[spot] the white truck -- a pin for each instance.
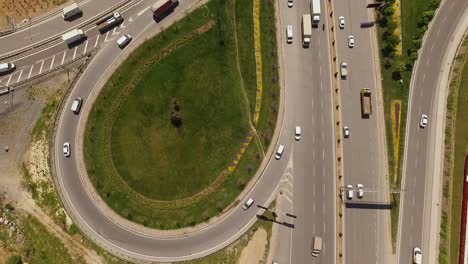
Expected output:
(315, 8)
(73, 36)
(306, 30)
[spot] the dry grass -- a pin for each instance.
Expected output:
(21, 9)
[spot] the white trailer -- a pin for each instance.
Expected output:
(73, 35)
(306, 30)
(315, 8)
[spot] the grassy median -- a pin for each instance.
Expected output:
(175, 130)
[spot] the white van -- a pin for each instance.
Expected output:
(71, 11)
(248, 204)
(76, 105)
(6, 67)
(316, 246)
(279, 152)
(289, 34)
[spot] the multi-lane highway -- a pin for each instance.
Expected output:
(423, 147)
(367, 223)
(55, 25)
(310, 174)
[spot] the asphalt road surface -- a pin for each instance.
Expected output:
(310, 174)
(415, 219)
(118, 237)
(53, 26)
(367, 225)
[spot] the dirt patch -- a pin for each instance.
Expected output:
(21, 9)
(255, 249)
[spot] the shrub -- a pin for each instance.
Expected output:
(393, 40)
(388, 62)
(15, 259)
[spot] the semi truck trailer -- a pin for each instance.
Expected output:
(315, 8)
(306, 30)
(366, 105)
(162, 6)
(109, 22)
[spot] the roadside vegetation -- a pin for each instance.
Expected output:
(176, 123)
(245, 249)
(456, 147)
(396, 76)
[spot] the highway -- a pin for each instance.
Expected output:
(423, 147)
(52, 26)
(310, 174)
(123, 238)
(367, 224)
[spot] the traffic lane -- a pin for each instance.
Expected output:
(53, 26)
(424, 89)
(113, 232)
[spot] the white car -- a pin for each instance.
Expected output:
(417, 255)
(423, 121)
(289, 34)
(349, 192)
(279, 152)
(290, 3)
(346, 132)
(66, 149)
(247, 204)
(341, 20)
(351, 41)
(297, 133)
(360, 190)
(124, 40)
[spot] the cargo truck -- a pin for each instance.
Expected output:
(366, 105)
(73, 36)
(162, 6)
(315, 8)
(109, 22)
(71, 11)
(306, 30)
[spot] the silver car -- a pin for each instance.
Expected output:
(424, 120)
(66, 149)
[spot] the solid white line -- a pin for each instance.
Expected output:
(74, 52)
(52, 63)
(107, 34)
(86, 46)
(287, 198)
(63, 57)
(42, 64)
(9, 78)
(142, 11)
(30, 71)
(97, 39)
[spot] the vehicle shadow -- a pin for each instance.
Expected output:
(368, 205)
(265, 218)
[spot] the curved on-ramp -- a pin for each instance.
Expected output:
(96, 220)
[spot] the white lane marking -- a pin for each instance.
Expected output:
(19, 77)
(86, 46)
(287, 198)
(9, 79)
(142, 11)
(412, 222)
(42, 64)
(421, 91)
(63, 57)
(416, 163)
(313, 209)
(432, 46)
(427, 62)
(313, 189)
(424, 75)
(323, 157)
(417, 145)
(74, 53)
(30, 71)
(320, 69)
(114, 31)
(324, 222)
(52, 63)
(321, 87)
(97, 39)
(107, 34)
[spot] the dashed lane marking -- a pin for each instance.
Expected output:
(97, 39)
(63, 57)
(52, 63)
(30, 71)
(19, 76)
(86, 46)
(40, 69)
(9, 79)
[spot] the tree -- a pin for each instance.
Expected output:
(176, 119)
(417, 43)
(393, 40)
(400, 66)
